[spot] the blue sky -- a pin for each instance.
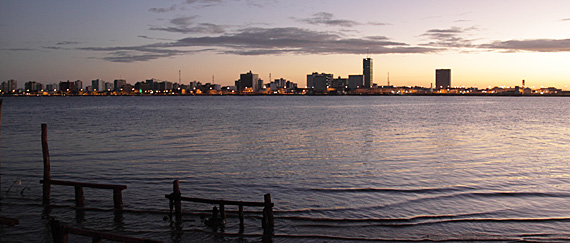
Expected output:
(483, 42)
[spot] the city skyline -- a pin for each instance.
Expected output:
(485, 43)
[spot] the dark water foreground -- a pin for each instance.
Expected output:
(338, 168)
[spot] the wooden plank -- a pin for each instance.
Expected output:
(85, 184)
(226, 202)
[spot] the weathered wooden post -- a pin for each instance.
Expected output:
(58, 232)
(47, 171)
(240, 214)
(177, 202)
(117, 199)
(267, 220)
(79, 197)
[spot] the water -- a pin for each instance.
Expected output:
(339, 168)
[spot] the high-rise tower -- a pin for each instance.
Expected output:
(442, 78)
(367, 72)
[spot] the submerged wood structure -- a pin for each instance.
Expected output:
(267, 221)
(60, 234)
(9, 221)
(79, 195)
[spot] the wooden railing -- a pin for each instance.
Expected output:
(79, 195)
(267, 221)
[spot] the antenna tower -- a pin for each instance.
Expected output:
(388, 78)
(179, 76)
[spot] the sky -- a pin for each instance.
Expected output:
(484, 43)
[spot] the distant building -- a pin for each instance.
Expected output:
(319, 82)
(67, 86)
(31, 86)
(118, 84)
(108, 86)
(367, 72)
(355, 81)
(78, 85)
(339, 83)
(442, 78)
(98, 85)
(51, 87)
(248, 80)
(9, 86)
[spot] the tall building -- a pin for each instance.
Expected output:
(9, 86)
(31, 86)
(248, 80)
(67, 86)
(442, 78)
(367, 72)
(119, 83)
(97, 85)
(79, 85)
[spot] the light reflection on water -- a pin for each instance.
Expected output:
(440, 167)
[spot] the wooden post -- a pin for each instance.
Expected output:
(58, 232)
(79, 197)
(267, 220)
(177, 202)
(118, 199)
(47, 170)
(240, 214)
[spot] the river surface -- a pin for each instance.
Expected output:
(339, 168)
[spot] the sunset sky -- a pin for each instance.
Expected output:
(497, 43)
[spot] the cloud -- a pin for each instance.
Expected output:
(163, 10)
(532, 45)
(568, 19)
(183, 21)
(134, 53)
(262, 41)
(451, 37)
(204, 3)
(68, 43)
(181, 25)
(324, 18)
(378, 23)
(200, 28)
(152, 38)
(17, 49)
